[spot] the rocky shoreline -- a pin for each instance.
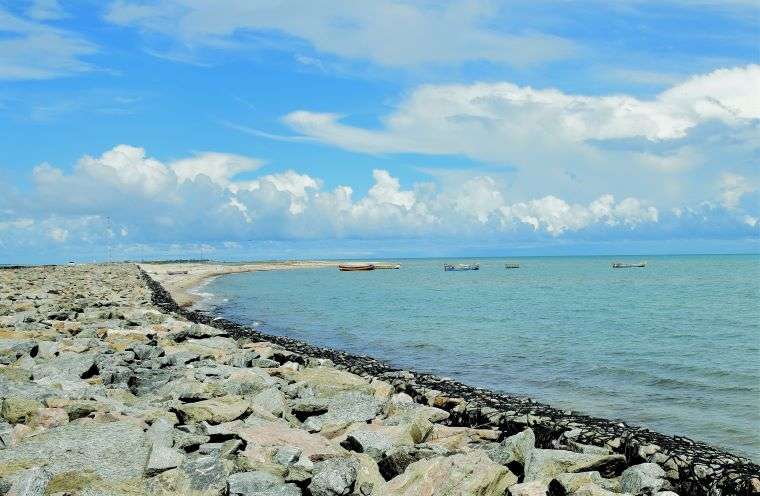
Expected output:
(108, 386)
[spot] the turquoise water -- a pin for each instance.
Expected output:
(674, 346)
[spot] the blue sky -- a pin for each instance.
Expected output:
(240, 129)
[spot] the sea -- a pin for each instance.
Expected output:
(674, 346)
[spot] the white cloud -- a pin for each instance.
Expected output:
(388, 32)
(35, 50)
(545, 132)
(219, 167)
(58, 235)
(426, 119)
(146, 201)
(45, 10)
(733, 187)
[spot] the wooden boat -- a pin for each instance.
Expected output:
(623, 265)
(511, 265)
(386, 266)
(355, 267)
(450, 267)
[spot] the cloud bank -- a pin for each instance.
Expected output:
(127, 196)
(544, 133)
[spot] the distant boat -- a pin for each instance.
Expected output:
(511, 265)
(355, 267)
(450, 267)
(623, 265)
(386, 266)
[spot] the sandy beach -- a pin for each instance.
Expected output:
(180, 278)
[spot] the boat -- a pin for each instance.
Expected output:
(176, 272)
(623, 265)
(386, 266)
(450, 267)
(511, 265)
(355, 267)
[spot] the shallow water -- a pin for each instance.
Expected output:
(674, 346)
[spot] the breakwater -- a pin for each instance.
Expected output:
(109, 387)
(692, 467)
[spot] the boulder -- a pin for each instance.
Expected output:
(593, 490)
(260, 484)
(328, 381)
(375, 440)
(17, 409)
(32, 482)
(344, 409)
(532, 488)
(161, 433)
(569, 483)
(163, 458)
(114, 451)
(277, 434)
(333, 477)
(270, 400)
(199, 476)
(647, 477)
(457, 475)
(397, 459)
(67, 364)
(517, 448)
(214, 411)
(546, 464)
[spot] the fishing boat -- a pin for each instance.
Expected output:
(386, 266)
(623, 265)
(450, 267)
(511, 265)
(355, 267)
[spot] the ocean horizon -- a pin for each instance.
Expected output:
(672, 347)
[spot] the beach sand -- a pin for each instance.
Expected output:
(181, 278)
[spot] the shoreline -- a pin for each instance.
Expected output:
(698, 468)
(181, 286)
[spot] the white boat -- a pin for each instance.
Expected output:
(452, 267)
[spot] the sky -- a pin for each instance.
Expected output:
(240, 129)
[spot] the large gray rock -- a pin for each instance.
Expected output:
(145, 381)
(517, 448)
(163, 458)
(546, 464)
(199, 476)
(32, 482)
(397, 459)
(458, 475)
(67, 364)
(344, 409)
(643, 477)
(260, 484)
(161, 433)
(114, 451)
(270, 400)
(333, 477)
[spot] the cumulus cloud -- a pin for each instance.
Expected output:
(35, 50)
(125, 195)
(388, 32)
(545, 131)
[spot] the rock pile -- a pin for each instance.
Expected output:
(104, 393)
